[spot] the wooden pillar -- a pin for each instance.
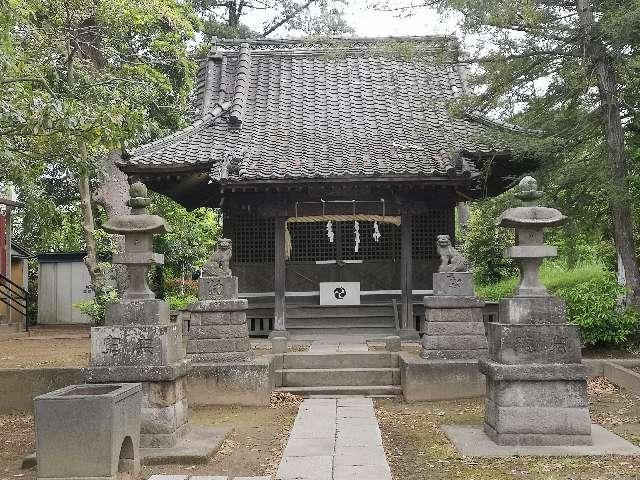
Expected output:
(407, 328)
(279, 277)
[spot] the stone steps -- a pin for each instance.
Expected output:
(369, 390)
(319, 311)
(331, 330)
(323, 377)
(366, 319)
(338, 322)
(301, 360)
(339, 373)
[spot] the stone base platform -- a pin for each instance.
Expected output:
(433, 380)
(474, 442)
(196, 447)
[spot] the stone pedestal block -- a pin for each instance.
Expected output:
(453, 327)
(165, 413)
(453, 283)
(134, 345)
(533, 310)
(279, 345)
(141, 344)
(392, 344)
(522, 343)
(536, 385)
(88, 431)
(218, 331)
(217, 288)
(142, 312)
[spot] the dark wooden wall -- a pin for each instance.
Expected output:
(252, 216)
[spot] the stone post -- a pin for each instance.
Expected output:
(536, 383)
(453, 315)
(139, 343)
(218, 330)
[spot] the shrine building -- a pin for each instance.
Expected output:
(335, 164)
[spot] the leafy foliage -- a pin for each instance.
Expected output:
(592, 295)
(96, 307)
(484, 242)
(191, 239)
(225, 19)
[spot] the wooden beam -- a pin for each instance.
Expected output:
(279, 277)
(407, 328)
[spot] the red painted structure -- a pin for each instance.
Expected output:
(3, 245)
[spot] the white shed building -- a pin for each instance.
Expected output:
(63, 281)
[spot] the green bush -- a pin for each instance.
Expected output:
(484, 242)
(179, 302)
(592, 295)
(96, 307)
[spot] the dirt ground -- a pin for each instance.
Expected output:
(415, 446)
(611, 352)
(253, 448)
(70, 347)
(417, 449)
(67, 347)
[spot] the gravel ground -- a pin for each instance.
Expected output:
(417, 449)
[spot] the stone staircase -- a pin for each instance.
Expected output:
(361, 373)
(368, 320)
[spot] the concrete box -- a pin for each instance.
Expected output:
(88, 431)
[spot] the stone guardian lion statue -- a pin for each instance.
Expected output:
(218, 263)
(450, 259)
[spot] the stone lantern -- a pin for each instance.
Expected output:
(529, 221)
(536, 382)
(138, 229)
(139, 342)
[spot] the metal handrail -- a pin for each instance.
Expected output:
(14, 295)
(11, 282)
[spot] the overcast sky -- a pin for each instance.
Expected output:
(370, 23)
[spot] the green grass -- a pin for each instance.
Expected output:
(553, 276)
(592, 296)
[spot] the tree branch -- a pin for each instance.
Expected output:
(286, 18)
(39, 80)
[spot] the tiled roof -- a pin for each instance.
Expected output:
(359, 108)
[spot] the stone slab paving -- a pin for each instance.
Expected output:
(204, 477)
(335, 439)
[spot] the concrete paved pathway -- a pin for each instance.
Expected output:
(335, 439)
(337, 344)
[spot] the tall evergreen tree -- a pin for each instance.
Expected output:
(567, 68)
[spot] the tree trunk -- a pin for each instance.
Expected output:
(619, 198)
(234, 12)
(88, 228)
(112, 195)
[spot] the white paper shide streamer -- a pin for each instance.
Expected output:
(356, 230)
(376, 232)
(330, 234)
